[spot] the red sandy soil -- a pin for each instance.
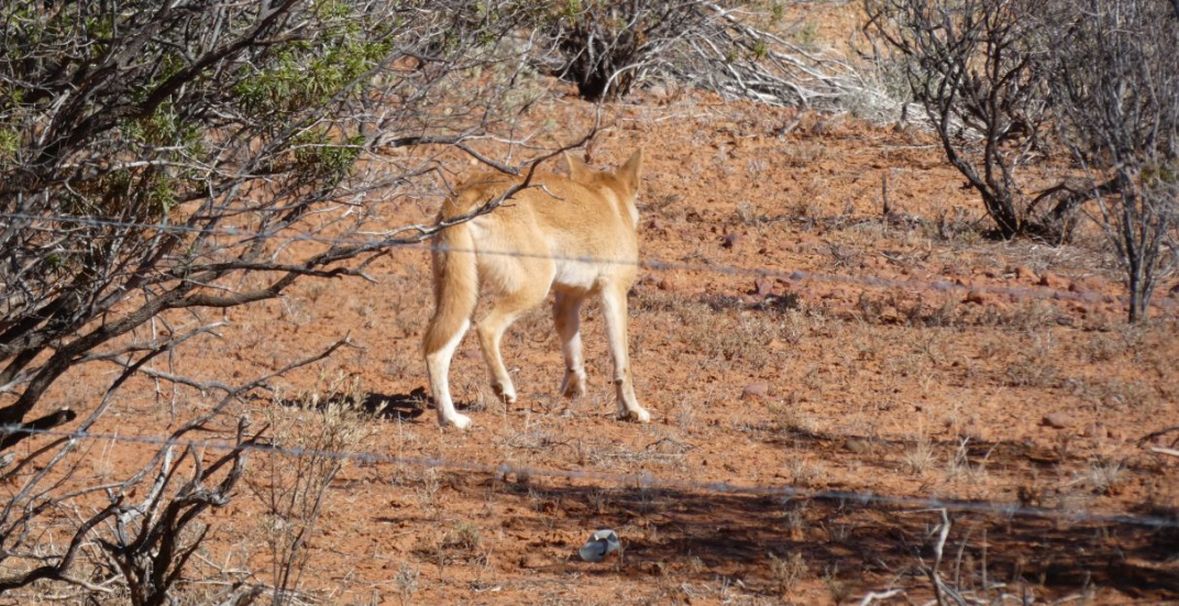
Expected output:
(1018, 385)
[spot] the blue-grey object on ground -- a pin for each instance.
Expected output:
(600, 544)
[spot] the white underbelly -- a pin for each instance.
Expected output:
(577, 275)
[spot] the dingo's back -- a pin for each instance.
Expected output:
(575, 236)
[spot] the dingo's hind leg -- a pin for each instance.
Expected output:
(567, 317)
(504, 311)
(456, 292)
(614, 309)
(438, 365)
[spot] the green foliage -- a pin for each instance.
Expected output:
(165, 127)
(9, 144)
(760, 50)
(317, 154)
(142, 194)
(1163, 173)
(303, 75)
(570, 9)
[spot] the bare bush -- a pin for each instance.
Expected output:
(1115, 76)
(312, 434)
(609, 46)
(605, 45)
(152, 541)
(160, 162)
(1004, 81)
(975, 67)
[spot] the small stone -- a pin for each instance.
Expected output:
(857, 446)
(972, 432)
(976, 297)
(730, 240)
(763, 286)
(1052, 280)
(755, 391)
(1025, 274)
(1056, 420)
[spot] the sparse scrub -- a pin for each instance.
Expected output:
(465, 536)
(958, 467)
(806, 472)
(1103, 476)
(1033, 366)
(792, 442)
(802, 154)
(606, 46)
(1102, 347)
(1115, 394)
(787, 572)
(321, 427)
(921, 457)
(789, 418)
(839, 589)
(461, 543)
(408, 581)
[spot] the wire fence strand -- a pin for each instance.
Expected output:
(379, 241)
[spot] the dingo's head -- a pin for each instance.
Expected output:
(621, 182)
(624, 180)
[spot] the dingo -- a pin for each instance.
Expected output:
(576, 236)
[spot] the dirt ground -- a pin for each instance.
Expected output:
(840, 370)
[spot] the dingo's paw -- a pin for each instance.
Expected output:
(640, 415)
(573, 386)
(460, 421)
(506, 393)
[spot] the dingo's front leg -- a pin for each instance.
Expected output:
(614, 307)
(504, 311)
(491, 331)
(567, 317)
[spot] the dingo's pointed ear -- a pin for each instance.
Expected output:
(629, 172)
(578, 171)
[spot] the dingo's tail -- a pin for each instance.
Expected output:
(456, 286)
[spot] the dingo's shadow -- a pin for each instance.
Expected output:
(400, 407)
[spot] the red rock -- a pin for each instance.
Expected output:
(755, 391)
(1052, 280)
(1025, 274)
(1057, 420)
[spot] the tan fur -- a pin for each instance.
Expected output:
(575, 236)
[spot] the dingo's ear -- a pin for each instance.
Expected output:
(629, 172)
(578, 171)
